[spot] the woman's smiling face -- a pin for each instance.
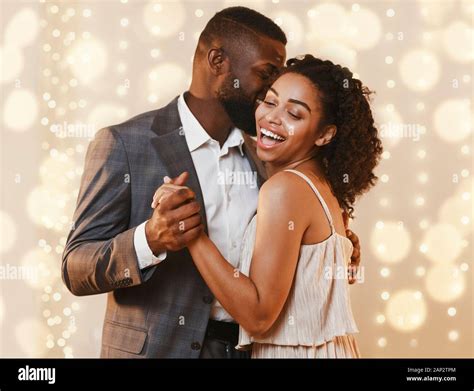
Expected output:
(288, 121)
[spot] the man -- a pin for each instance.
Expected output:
(158, 305)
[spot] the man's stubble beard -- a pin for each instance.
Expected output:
(238, 106)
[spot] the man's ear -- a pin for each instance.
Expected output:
(217, 61)
(327, 135)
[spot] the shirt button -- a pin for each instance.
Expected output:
(207, 299)
(195, 346)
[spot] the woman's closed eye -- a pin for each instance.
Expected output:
(269, 103)
(293, 115)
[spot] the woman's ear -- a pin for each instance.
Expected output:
(327, 135)
(217, 61)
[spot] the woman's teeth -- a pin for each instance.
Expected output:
(272, 135)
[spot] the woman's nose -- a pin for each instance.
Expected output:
(273, 117)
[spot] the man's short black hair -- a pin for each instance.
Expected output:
(237, 27)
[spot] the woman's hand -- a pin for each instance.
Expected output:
(170, 186)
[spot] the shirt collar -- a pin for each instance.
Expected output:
(193, 130)
(196, 135)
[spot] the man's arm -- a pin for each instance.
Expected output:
(99, 255)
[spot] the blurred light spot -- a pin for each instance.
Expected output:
(443, 243)
(435, 12)
(292, 26)
(87, 59)
(453, 120)
(15, 32)
(364, 29)
(20, 110)
(457, 39)
(8, 232)
(105, 114)
(46, 206)
(395, 241)
(337, 53)
(445, 283)
(406, 311)
(423, 177)
(328, 22)
(11, 63)
(44, 268)
(165, 79)
(419, 70)
(382, 342)
(420, 271)
(164, 19)
(451, 311)
(30, 335)
(419, 201)
(458, 212)
(385, 272)
(453, 335)
(2, 309)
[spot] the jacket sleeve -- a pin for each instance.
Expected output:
(99, 255)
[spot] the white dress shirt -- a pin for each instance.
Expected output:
(229, 189)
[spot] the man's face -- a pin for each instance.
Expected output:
(250, 76)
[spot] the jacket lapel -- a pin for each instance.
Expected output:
(173, 150)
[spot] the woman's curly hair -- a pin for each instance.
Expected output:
(349, 159)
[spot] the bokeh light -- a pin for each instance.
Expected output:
(41, 268)
(453, 120)
(165, 79)
(15, 32)
(11, 63)
(419, 70)
(390, 242)
(70, 69)
(20, 110)
(443, 243)
(458, 39)
(8, 232)
(406, 310)
(105, 114)
(31, 336)
(156, 17)
(445, 282)
(87, 60)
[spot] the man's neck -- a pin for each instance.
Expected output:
(210, 114)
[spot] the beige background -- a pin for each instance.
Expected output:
(69, 68)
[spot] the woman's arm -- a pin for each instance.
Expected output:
(256, 301)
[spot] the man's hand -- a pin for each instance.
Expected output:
(355, 257)
(176, 220)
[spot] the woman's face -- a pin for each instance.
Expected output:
(287, 121)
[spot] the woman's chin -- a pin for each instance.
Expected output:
(264, 155)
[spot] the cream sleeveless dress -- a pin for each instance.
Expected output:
(316, 320)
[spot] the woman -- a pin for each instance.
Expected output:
(317, 138)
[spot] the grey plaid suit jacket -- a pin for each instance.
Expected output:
(162, 311)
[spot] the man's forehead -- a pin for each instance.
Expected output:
(270, 52)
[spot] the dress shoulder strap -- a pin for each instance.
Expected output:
(318, 194)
